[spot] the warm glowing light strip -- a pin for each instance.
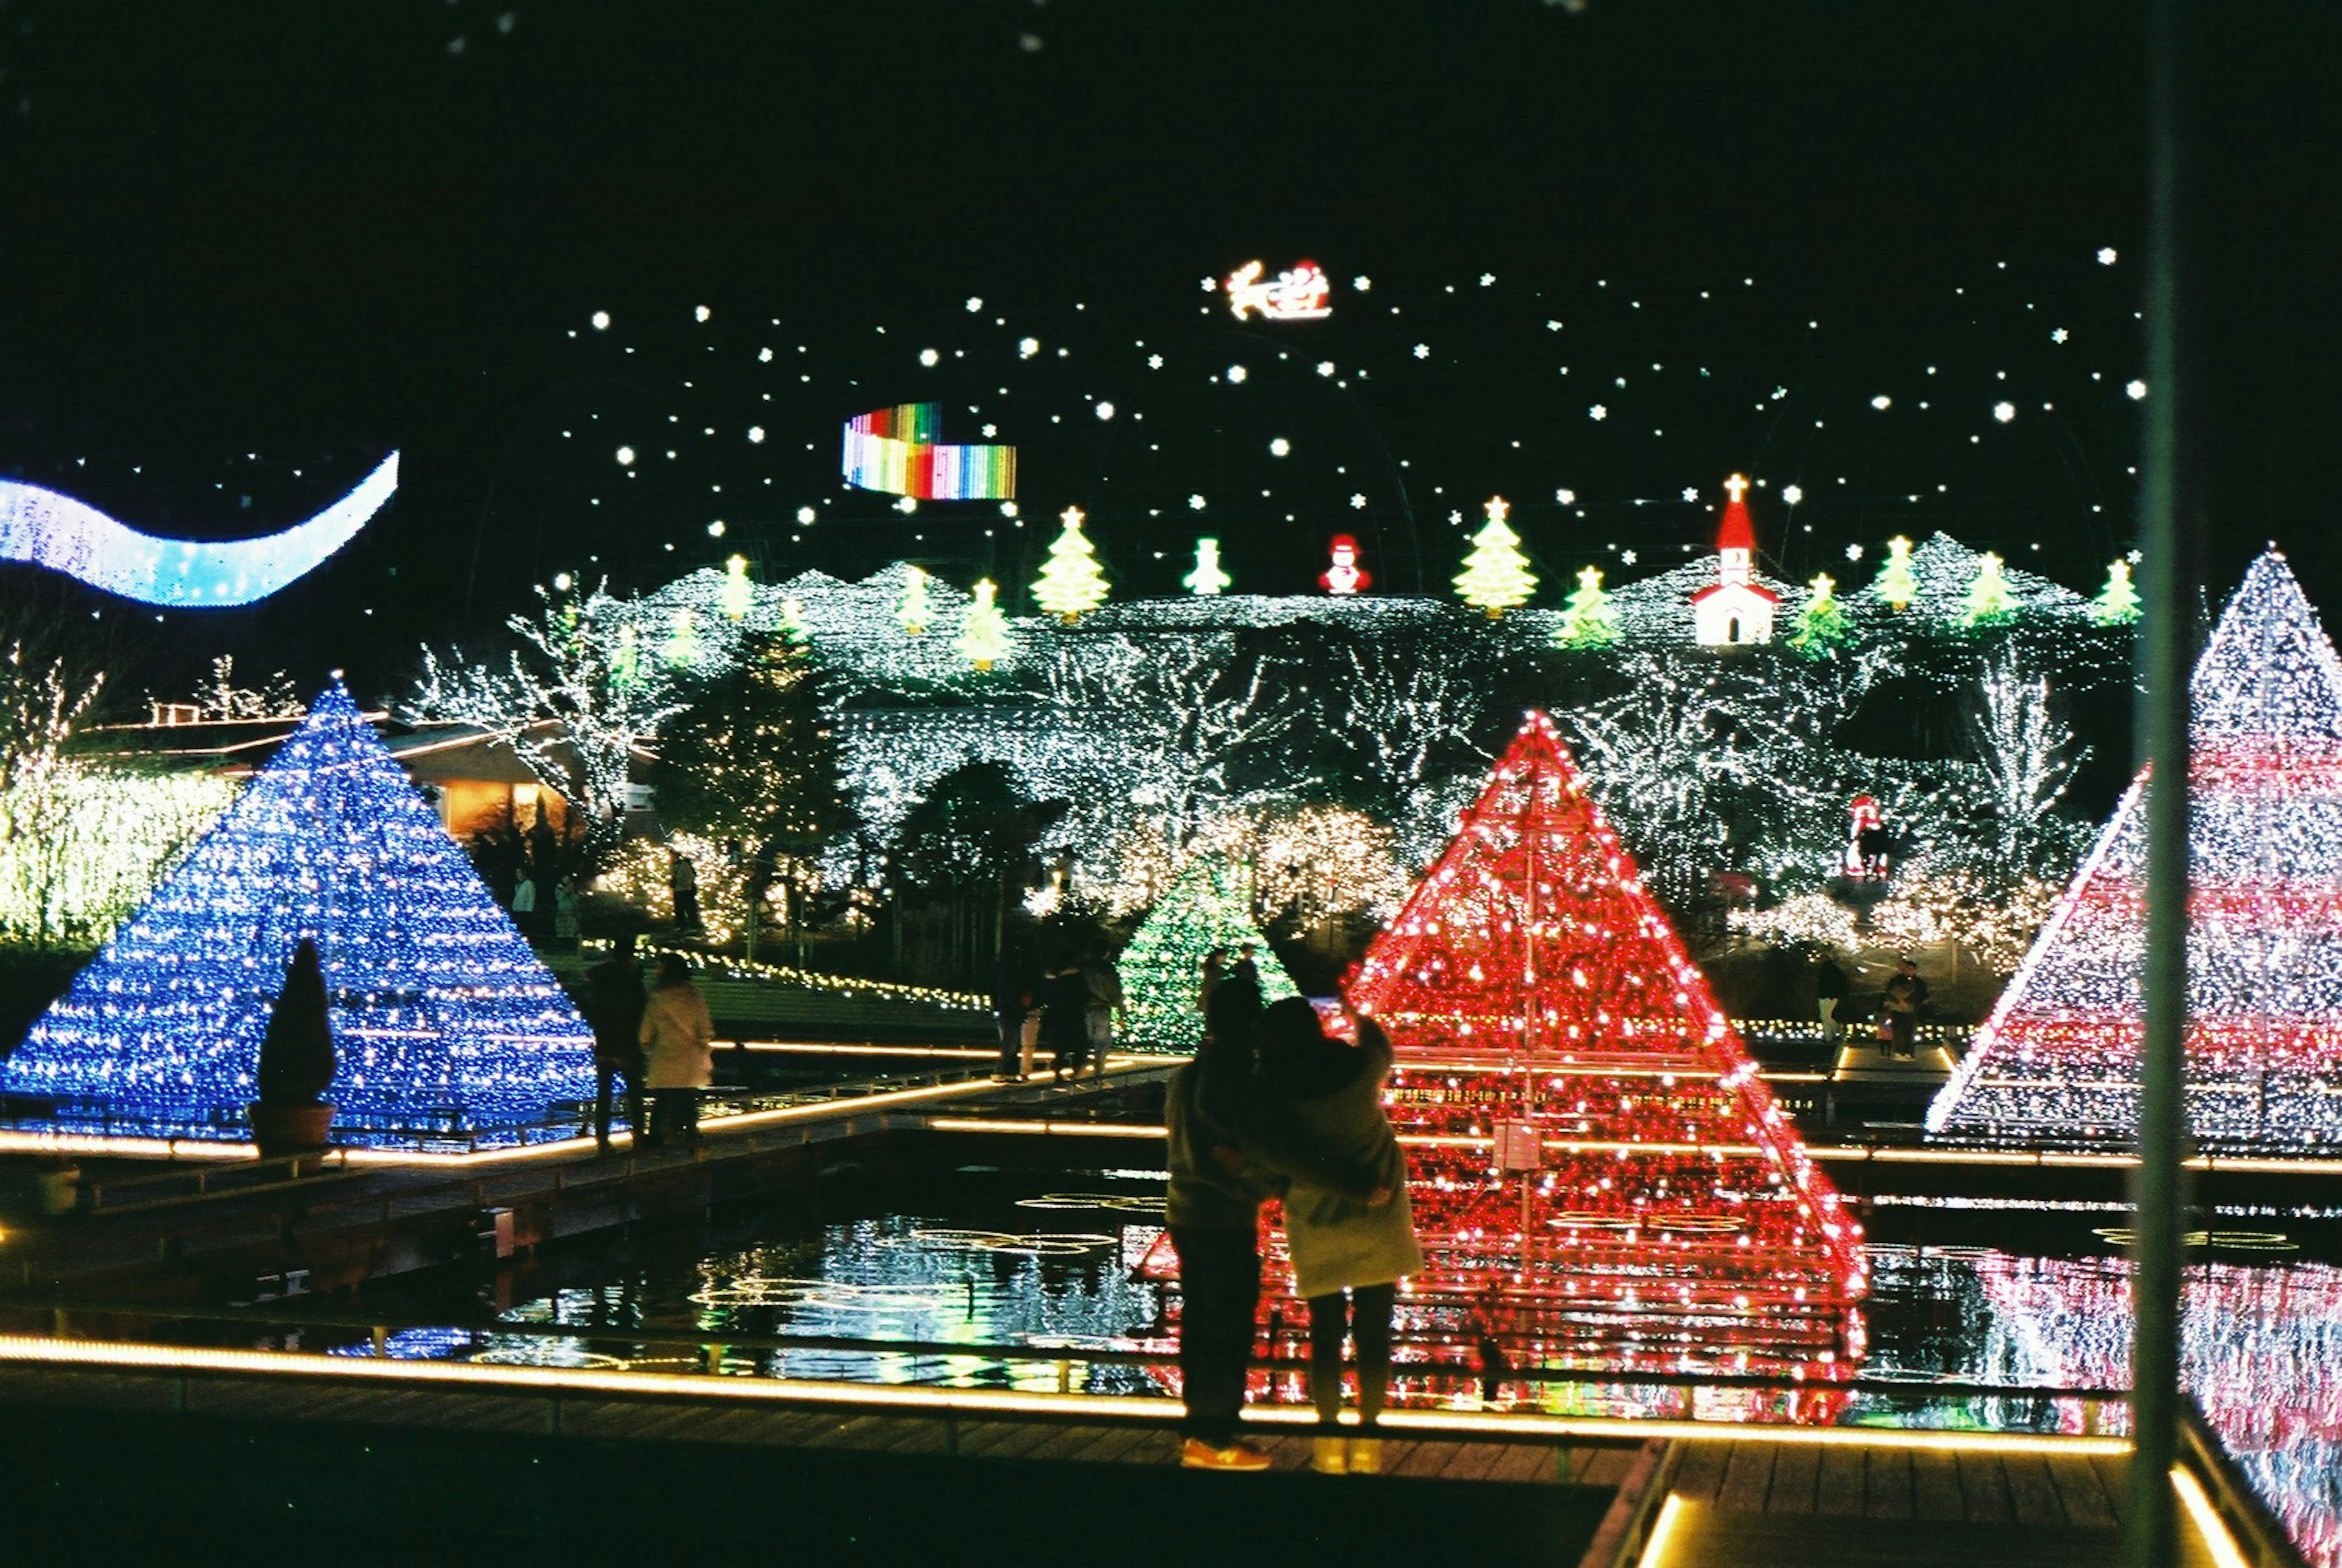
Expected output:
(36, 1350)
(818, 1048)
(2221, 1545)
(13, 1140)
(1046, 1128)
(1655, 1550)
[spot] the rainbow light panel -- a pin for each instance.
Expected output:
(897, 450)
(445, 1021)
(1606, 1183)
(2057, 1062)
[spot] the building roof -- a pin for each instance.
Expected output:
(1757, 589)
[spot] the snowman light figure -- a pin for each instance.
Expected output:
(1344, 576)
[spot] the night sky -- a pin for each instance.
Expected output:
(250, 248)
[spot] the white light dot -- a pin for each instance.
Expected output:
(1236, 373)
(1487, 278)
(1194, 503)
(2059, 334)
(908, 504)
(2106, 255)
(2004, 412)
(929, 357)
(1689, 494)
(1362, 282)
(806, 515)
(702, 313)
(1325, 367)
(715, 529)
(1357, 503)
(1567, 497)
(2138, 389)
(974, 305)
(626, 457)
(1423, 350)
(1028, 347)
(1105, 410)
(1882, 403)
(756, 435)
(601, 321)
(1853, 552)
(1597, 412)
(1793, 493)
(1279, 447)
(561, 580)
(1008, 508)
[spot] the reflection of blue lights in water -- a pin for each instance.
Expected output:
(1051, 1272)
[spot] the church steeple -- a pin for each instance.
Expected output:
(1735, 609)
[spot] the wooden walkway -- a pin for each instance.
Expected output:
(1746, 1502)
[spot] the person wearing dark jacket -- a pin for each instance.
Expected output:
(1346, 1216)
(1013, 985)
(615, 1000)
(1212, 1208)
(1907, 993)
(1829, 994)
(1065, 1018)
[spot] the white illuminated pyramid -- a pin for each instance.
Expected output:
(2058, 1060)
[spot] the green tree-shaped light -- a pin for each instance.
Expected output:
(1590, 622)
(1821, 625)
(2117, 603)
(1895, 582)
(1988, 602)
(912, 612)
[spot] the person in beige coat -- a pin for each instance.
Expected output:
(679, 1037)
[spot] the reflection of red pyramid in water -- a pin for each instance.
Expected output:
(1545, 1015)
(2057, 1062)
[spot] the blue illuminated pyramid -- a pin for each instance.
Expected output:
(445, 1021)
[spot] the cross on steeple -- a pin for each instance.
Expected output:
(1738, 485)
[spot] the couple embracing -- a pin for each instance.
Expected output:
(1274, 1105)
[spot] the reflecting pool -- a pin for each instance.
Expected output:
(1043, 1281)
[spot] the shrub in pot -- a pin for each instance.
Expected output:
(296, 1063)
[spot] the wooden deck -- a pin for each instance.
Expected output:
(1746, 1502)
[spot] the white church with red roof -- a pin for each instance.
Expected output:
(1735, 610)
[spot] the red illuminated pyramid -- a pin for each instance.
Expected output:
(1597, 1175)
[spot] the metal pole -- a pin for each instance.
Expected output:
(2150, 1534)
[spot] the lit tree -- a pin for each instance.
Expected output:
(2026, 752)
(1495, 575)
(682, 649)
(1589, 622)
(1162, 969)
(1207, 578)
(912, 613)
(2117, 603)
(1821, 629)
(221, 697)
(1895, 582)
(1988, 602)
(985, 637)
(1070, 584)
(737, 596)
(1402, 708)
(579, 666)
(969, 845)
(792, 623)
(750, 757)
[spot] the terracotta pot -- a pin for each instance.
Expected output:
(289, 1129)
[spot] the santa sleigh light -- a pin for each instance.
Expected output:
(1299, 295)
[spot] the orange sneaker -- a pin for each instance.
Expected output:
(1197, 1455)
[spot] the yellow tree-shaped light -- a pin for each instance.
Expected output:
(737, 596)
(1207, 578)
(1070, 584)
(913, 610)
(1895, 584)
(1495, 575)
(1821, 625)
(984, 639)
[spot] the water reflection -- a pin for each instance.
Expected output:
(956, 1272)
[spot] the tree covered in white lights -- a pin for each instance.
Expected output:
(984, 641)
(578, 665)
(2059, 1059)
(1590, 622)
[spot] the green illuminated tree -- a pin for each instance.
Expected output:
(1495, 575)
(1895, 581)
(1988, 602)
(1163, 968)
(1590, 622)
(1821, 627)
(2117, 603)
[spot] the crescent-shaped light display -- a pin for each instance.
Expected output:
(50, 529)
